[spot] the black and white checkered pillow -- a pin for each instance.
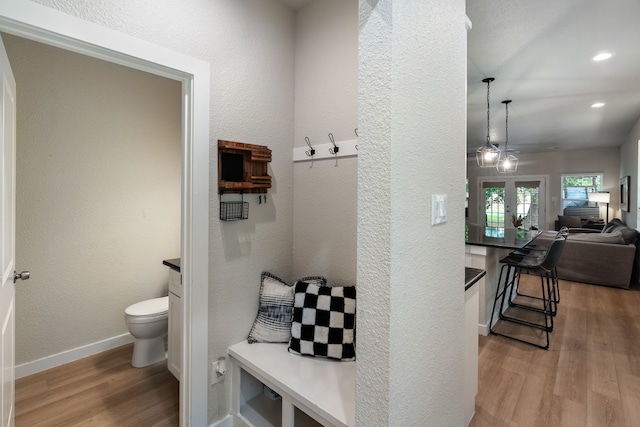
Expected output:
(275, 311)
(324, 320)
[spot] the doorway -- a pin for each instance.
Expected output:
(39, 23)
(513, 202)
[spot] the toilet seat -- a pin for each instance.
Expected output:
(151, 308)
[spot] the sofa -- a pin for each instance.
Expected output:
(606, 258)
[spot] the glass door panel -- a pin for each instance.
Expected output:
(516, 202)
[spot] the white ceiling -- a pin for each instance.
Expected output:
(540, 53)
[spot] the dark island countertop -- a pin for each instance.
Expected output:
(497, 237)
(471, 276)
(173, 264)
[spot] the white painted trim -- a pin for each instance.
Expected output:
(483, 329)
(346, 149)
(67, 356)
(225, 422)
(49, 26)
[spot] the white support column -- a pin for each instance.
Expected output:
(411, 145)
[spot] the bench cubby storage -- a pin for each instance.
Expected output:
(313, 391)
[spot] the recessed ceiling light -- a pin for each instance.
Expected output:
(597, 105)
(602, 56)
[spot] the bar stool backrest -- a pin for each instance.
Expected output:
(553, 254)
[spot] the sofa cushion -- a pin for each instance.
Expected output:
(614, 237)
(616, 225)
(569, 221)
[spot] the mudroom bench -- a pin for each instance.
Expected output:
(300, 391)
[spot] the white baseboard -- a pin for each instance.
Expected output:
(225, 422)
(49, 362)
(483, 329)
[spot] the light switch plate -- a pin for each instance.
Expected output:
(438, 209)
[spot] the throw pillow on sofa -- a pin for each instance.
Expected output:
(628, 234)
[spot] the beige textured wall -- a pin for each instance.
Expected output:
(250, 46)
(98, 194)
(325, 191)
(554, 164)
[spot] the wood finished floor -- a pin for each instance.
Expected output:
(100, 390)
(590, 376)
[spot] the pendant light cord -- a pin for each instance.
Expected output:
(506, 124)
(488, 84)
(506, 127)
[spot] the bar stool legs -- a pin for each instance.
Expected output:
(535, 262)
(510, 279)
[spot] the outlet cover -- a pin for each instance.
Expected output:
(215, 377)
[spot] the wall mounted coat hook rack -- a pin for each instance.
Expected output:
(335, 148)
(310, 152)
(356, 132)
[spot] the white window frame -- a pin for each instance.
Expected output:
(568, 175)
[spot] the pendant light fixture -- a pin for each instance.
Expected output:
(508, 162)
(488, 154)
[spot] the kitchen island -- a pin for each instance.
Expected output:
(484, 248)
(472, 279)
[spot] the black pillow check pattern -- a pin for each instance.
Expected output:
(324, 321)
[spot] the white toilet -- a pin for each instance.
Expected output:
(148, 322)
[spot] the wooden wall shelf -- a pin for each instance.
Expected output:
(242, 168)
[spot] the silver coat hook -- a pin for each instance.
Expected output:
(335, 148)
(310, 152)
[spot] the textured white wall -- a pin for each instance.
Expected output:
(250, 46)
(554, 164)
(629, 167)
(410, 274)
(325, 191)
(98, 184)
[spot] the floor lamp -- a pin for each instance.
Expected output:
(602, 197)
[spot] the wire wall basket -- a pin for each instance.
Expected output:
(233, 211)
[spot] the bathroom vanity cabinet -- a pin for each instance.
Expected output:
(174, 350)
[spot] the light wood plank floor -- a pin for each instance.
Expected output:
(590, 376)
(100, 390)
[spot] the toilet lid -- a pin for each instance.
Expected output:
(149, 307)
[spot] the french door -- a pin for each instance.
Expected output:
(513, 202)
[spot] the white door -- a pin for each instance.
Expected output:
(514, 202)
(7, 255)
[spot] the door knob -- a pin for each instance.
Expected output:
(21, 276)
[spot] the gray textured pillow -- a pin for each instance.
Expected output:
(275, 310)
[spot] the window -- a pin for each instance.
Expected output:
(575, 188)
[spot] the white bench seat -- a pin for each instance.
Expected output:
(322, 389)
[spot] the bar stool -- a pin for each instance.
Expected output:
(534, 261)
(540, 251)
